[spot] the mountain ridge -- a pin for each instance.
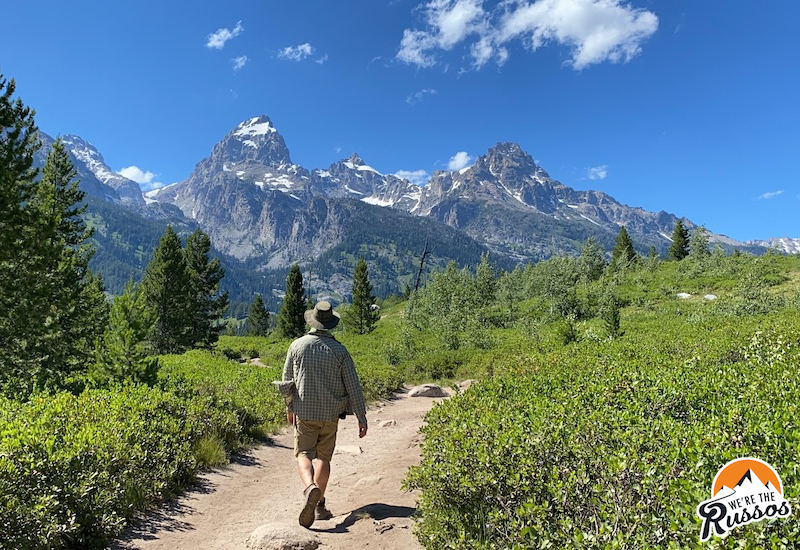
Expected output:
(264, 211)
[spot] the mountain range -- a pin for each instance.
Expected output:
(264, 213)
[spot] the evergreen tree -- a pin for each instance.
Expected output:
(362, 314)
(125, 354)
(698, 243)
(69, 297)
(18, 143)
(679, 248)
(623, 248)
(291, 322)
(592, 262)
(258, 320)
(208, 305)
(168, 291)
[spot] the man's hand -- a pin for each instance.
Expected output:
(290, 417)
(362, 430)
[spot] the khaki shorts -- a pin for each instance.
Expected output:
(315, 438)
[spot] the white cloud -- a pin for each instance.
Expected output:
(296, 53)
(143, 177)
(239, 62)
(449, 22)
(322, 59)
(770, 195)
(597, 172)
(217, 40)
(458, 161)
(595, 31)
(416, 97)
(417, 177)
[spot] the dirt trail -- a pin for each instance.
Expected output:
(262, 487)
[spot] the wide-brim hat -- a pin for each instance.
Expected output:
(322, 316)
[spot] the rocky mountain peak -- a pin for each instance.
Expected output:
(355, 160)
(128, 190)
(507, 160)
(254, 140)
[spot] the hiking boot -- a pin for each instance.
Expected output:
(321, 512)
(312, 495)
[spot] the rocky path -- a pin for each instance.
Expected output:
(254, 502)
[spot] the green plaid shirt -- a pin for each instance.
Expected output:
(326, 382)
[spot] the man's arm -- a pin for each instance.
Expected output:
(353, 387)
(288, 374)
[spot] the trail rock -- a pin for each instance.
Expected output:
(382, 527)
(387, 423)
(427, 390)
(710, 297)
(466, 384)
(684, 295)
(274, 536)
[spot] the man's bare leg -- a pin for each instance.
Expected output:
(306, 470)
(322, 472)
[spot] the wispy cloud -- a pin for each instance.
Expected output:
(217, 40)
(770, 195)
(239, 62)
(597, 172)
(417, 177)
(321, 60)
(416, 97)
(297, 53)
(145, 178)
(458, 161)
(595, 31)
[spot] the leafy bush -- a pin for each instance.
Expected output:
(244, 390)
(73, 469)
(613, 444)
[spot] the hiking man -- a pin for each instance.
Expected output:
(324, 385)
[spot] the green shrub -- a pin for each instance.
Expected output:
(613, 444)
(73, 469)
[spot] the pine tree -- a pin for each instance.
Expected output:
(698, 243)
(362, 314)
(18, 143)
(125, 354)
(291, 322)
(258, 319)
(679, 248)
(592, 262)
(623, 248)
(209, 304)
(167, 288)
(68, 297)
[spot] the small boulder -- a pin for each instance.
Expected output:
(274, 536)
(684, 295)
(427, 390)
(387, 423)
(466, 384)
(710, 297)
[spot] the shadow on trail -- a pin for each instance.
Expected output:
(164, 518)
(377, 511)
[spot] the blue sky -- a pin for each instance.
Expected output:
(680, 105)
